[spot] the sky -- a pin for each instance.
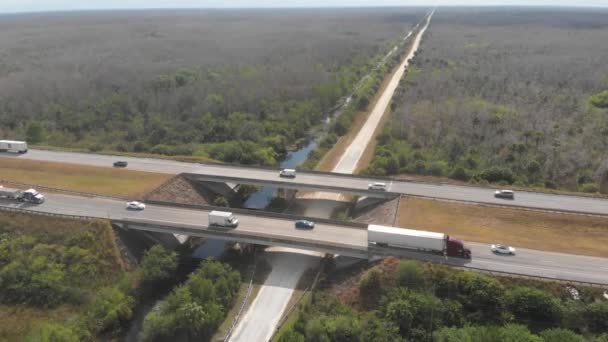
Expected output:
(12, 6)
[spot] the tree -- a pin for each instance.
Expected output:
(158, 264)
(376, 329)
(111, 309)
(600, 100)
(561, 335)
(535, 307)
(410, 274)
(291, 336)
(34, 132)
(370, 288)
(51, 332)
(220, 201)
(596, 315)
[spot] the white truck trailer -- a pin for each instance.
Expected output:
(222, 219)
(431, 242)
(13, 146)
(29, 195)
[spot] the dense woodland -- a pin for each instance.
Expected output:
(410, 301)
(509, 96)
(64, 281)
(238, 86)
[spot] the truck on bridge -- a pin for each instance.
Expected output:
(29, 195)
(13, 146)
(419, 240)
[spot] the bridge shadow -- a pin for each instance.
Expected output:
(284, 268)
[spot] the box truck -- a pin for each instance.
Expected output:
(222, 219)
(29, 195)
(13, 146)
(430, 242)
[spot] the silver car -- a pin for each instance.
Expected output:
(502, 249)
(134, 205)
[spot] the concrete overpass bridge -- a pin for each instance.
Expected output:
(330, 236)
(330, 182)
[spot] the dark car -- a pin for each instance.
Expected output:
(305, 224)
(120, 164)
(506, 194)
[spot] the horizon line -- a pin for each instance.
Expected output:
(299, 8)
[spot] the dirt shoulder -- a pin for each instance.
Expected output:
(565, 233)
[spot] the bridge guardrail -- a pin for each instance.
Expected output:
(532, 277)
(57, 190)
(42, 213)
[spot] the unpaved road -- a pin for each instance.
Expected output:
(262, 317)
(260, 321)
(352, 155)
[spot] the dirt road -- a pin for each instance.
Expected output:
(259, 323)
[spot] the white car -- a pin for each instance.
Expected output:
(502, 249)
(136, 205)
(377, 186)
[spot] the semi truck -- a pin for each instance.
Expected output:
(13, 146)
(222, 219)
(29, 195)
(430, 242)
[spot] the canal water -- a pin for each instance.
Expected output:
(261, 198)
(209, 249)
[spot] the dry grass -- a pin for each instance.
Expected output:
(98, 180)
(17, 321)
(565, 233)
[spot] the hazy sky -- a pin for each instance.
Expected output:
(60, 5)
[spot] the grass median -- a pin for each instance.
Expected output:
(565, 233)
(98, 180)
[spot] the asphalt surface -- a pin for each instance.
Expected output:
(250, 225)
(533, 200)
(527, 262)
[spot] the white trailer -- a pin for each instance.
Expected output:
(420, 240)
(29, 195)
(406, 238)
(13, 146)
(222, 219)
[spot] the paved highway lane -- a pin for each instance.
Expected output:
(540, 263)
(250, 225)
(529, 262)
(443, 191)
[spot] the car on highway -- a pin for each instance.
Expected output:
(288, 173)
(377, 186)
(305, 224)
(502, 249)
(506, 194)
(120, 163)
(135, 205)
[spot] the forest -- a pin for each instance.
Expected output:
(236, 86)
(67, 281)
(411, 301)
(509, 96)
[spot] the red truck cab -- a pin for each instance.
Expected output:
(456, 248)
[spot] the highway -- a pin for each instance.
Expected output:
(527, 262)
(332, 182)
(249, 225)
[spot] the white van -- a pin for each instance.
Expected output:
(222, 219)
(13, 146)
(289, 173)
(377, 186)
